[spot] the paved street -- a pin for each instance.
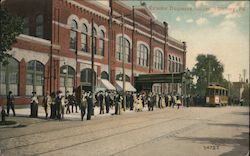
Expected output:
(190, 131)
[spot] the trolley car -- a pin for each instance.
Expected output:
(216, 95)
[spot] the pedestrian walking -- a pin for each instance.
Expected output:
(47, 101)
(63, 104)
(139, 103)
(10, 103)
(169, 100)
(107, 102)
(58, 105)
(68, 103)
(178, 101)
(90, 106)
(101, 102)
(173, 100)
(83, 104)
(34, 105)
(150, 102)
(117, 102)
(53, 106)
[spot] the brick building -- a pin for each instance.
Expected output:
(54, 51)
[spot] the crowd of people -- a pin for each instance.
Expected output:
(57, 104)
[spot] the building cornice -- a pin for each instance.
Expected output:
(88, 9)
(33, 39)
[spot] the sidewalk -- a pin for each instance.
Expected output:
(24, 110)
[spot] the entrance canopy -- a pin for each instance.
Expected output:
(128, 86)
(107, 85)
(146, 81)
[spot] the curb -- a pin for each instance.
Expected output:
(10, 126)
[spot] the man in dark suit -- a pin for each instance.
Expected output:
(100, 98)
(10, 103)
(107, 101)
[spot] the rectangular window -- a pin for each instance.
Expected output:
(84, 42)
(29, 89)
(39, 31)
(2, 78)
(29, 78)
(62, 81)
(73, 39)
(13, 78)
(39, 79)
(101, 42)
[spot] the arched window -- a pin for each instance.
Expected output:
(73, 34)
(104, 75)
(67, 77)
(120, 77)
(86, 79)
(84, 38)
(39, 26)
(169, 63)
(126, 49)
(35, 78)
(173, 63)
(26, 29)
(101, 43)
(95, 40)
(9, 76)
(142, 55)
(158, 60)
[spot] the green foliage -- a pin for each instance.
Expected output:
(245, 94)
(207, 70)
(10, 27)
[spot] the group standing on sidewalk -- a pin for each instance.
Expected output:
(55, 105)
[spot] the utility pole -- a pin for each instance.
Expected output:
(90, 107)
(244, 75)
(110, 38)
(229, 85)
(123, 65)
(208, 77)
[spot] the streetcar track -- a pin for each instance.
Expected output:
(84, 133)
(103, 137)
(69, 127)
(92, 140)
(75, 127)
(170, 134)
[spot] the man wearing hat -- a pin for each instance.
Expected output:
(33, 105)
(10, 103)
(47, 101)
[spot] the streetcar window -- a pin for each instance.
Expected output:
(212, 91)
(216, 92)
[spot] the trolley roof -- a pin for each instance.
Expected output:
(216, 86)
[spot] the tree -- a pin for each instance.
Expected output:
(10, 27)
(245, 94)
(207, 70)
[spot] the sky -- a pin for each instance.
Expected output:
(220, 28)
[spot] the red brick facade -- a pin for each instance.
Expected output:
(58, 15)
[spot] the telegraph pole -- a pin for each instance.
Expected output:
(90, 107)
(244, 75)
(229, 86)
(110, 38)
(123, 64)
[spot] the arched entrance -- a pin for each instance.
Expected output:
(86, 79)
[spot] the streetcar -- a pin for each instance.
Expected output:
(216, 95)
